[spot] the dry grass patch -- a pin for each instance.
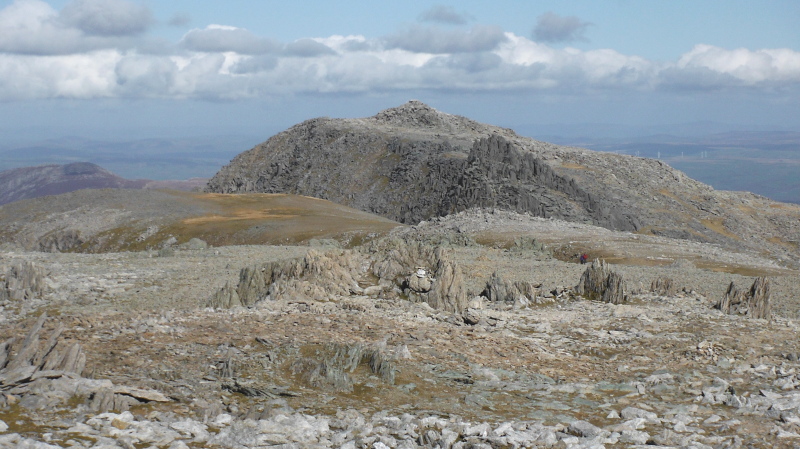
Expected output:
(717, 225)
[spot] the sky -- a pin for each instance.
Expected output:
(125, 69)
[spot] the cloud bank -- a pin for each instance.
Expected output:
(101, 49)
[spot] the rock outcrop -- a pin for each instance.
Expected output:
(42, 376)
(753, 302)
(520, 292)
(21, 279)
(663, 286)
(413, 162)
(391, 267)
(600, 283)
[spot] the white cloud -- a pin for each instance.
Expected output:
(31, 27)
(748, 67)
(308, 48)
(89, 75)
(42, 56)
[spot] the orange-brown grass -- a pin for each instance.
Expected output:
(241, 219)
(717, 225)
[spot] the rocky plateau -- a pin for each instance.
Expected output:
(442, 304)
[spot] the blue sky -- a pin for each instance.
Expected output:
(150, 68)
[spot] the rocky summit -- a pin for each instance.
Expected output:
(536, 297)
(413, 162)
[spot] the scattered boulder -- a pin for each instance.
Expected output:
(753, 302)
(599, 283)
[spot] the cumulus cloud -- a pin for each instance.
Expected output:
(551, 27)
(308, 48)
(435, 40)
(107, 17)
(444, 14)
(83, 76)
(219, 38)
(31, 27)
(44, 56)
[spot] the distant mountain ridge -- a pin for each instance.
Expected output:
(412, 163)
(53, 179)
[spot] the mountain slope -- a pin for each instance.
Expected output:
(31, 182)
(413, 162)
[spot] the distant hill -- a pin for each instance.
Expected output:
(413, 163)
(33, 182)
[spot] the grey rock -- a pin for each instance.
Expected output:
(663, 286)
(633, 412)
(333, 274)
(600, 283)
(754, 302)
(194, 244)
(21, 280)
(584, 429)
(499, 290)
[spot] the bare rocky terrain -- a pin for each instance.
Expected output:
(172, 320)
(374, 369)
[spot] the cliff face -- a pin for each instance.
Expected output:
(413, 162)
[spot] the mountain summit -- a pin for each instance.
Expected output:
(412, 162)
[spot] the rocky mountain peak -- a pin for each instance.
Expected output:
(416, 114)
(412, 163)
